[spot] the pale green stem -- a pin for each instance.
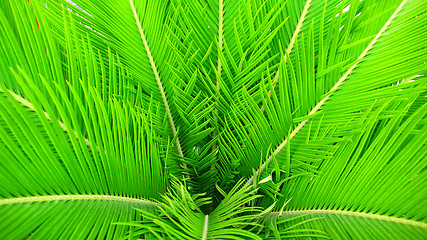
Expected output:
(220, 40)
(356, 214)
(205, 228)
(73, 197)
(159, 83)
(291, 45)
(24, 102)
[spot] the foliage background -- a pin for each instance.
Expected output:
(213, 119)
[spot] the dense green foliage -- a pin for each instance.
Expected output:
(213, 119)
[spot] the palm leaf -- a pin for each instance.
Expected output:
(68, 147)
(252, 119)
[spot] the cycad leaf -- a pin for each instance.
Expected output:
(213, 119)
(345, 225)
(70, 151)
(68, 217)
(181, 217)
(47, 180)
(362, 167)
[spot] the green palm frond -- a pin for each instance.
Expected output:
(71, 147)
(65, 172)
(181, 218)
(249, 119)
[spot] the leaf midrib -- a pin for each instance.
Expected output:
(356, 214)
(29, 105)
(290, 46)
(159, 83)
(219, 68)
(51, 198)
(205, 228)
